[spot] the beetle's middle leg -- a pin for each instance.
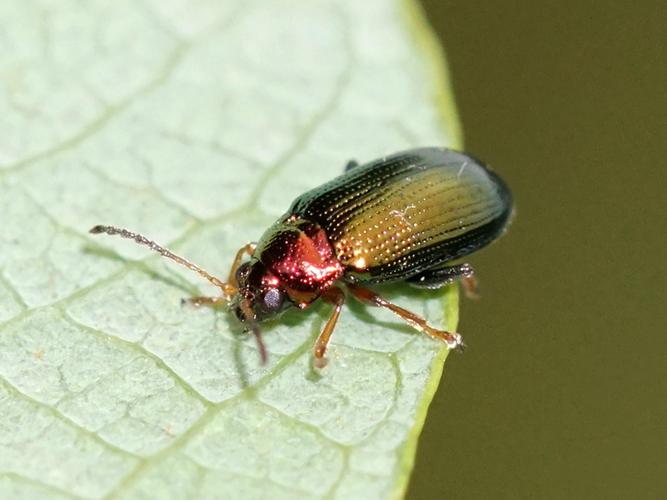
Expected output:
(335, 296)
(452, 339)
(351, 164)
(437, 278)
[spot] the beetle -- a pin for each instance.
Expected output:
(401, 218)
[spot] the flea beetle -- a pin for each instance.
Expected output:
(402, 218)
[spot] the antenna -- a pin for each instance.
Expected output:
(227, 289)
(254, 326)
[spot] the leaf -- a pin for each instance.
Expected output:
(197, 124)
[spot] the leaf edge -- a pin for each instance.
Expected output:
(427, 43)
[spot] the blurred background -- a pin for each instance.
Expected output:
(562, 392)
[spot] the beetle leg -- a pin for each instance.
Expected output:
(335, 296)
(351, 164)
(231, 280)
(209, 301)
(452, 339)
(248, 248)
(437, 278)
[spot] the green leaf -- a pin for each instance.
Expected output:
(197, 124)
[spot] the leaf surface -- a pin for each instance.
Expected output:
(197, 123)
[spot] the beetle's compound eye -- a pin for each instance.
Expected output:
(273, 300)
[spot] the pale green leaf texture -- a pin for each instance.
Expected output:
(197, 123)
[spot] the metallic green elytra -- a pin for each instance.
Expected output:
(396, 217)
(405, 217)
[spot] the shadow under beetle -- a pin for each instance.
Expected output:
(402, 218)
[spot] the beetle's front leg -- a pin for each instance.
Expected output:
(230, 287)
(452, 339)
(437, 278)
(335, 296)
(248, 248)
(203, 300)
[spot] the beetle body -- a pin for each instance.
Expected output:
(392, 218)
(386, 221)
(404, 217)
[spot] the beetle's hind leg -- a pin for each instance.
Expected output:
(452, 339)
(437, 278)
(351, 164)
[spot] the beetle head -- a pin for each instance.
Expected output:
(260, 295)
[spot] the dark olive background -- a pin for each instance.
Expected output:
(562, 392)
